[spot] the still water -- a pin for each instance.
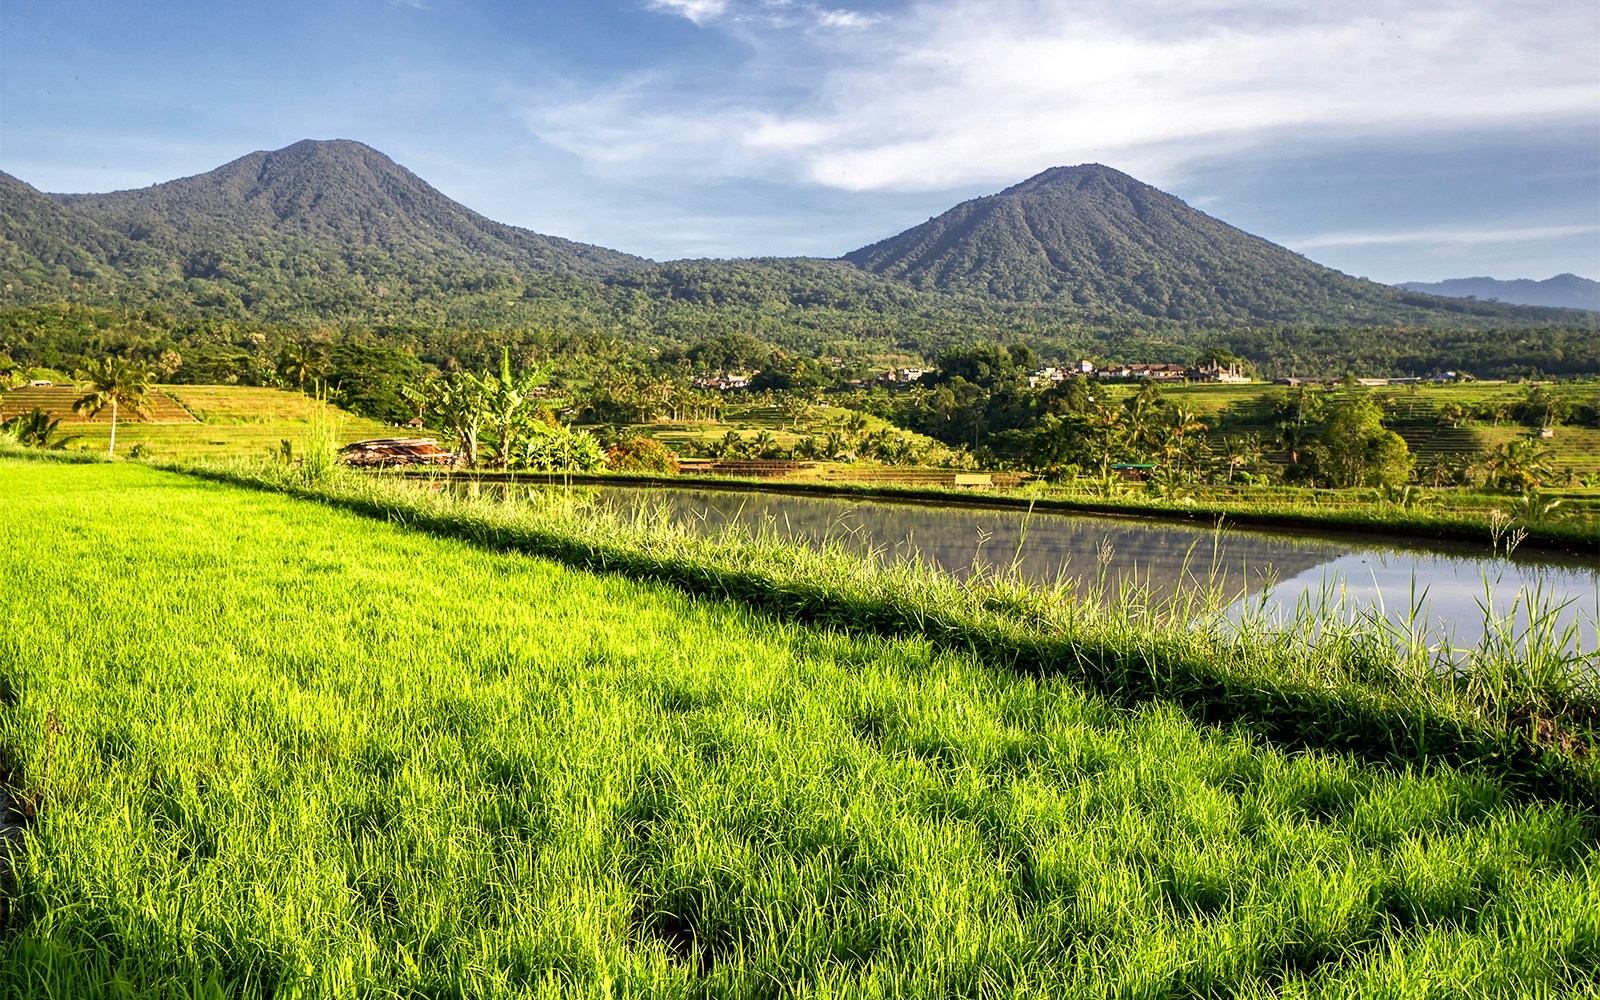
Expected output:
(1447, 591)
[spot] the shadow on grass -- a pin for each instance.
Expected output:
(1370, 726)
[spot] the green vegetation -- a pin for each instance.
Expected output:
(1093, 238)
(115, 383)
(323, 755)
(225, 268)
(196, 421)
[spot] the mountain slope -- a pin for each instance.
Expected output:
(336, 232)
(1090, 236)
(337, 195)
(46, 248)
(1564, 291)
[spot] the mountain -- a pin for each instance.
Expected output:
(335, 195)
(334, 232)
(314, 230)
(1564, 291)
(1093, 237)
(48, 248)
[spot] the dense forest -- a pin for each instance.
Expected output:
(333, 242)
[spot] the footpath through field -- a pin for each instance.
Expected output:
(297, 751)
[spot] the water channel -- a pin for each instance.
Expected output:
(1447, 591)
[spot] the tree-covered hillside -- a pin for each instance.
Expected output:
(1093, 238)
(1083, 262)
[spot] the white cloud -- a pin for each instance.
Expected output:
(848, 20)
(1451, 236)
(953, 92)
(698, 11)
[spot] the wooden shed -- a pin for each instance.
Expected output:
(397, 451)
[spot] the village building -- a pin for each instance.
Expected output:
(1215, 372)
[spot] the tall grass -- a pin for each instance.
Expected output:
(1488, 520)
(319, 445)
(307, 753)
(1329, 679)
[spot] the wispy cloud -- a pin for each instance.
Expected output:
(953, 92)
(1451, 236)
(698, 11)
(847, 20)
(766, 14)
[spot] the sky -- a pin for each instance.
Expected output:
(1393, 139)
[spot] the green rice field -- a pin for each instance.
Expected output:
(198, 421)
(271, 747)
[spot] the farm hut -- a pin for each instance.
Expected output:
(397, 451)
(1134, 472)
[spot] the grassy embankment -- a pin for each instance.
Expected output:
(1417, 413)
(1496, 521)
(305, 751)
(198, 421)
(749, 420)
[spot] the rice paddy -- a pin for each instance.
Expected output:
(279, 748)
(197, 421)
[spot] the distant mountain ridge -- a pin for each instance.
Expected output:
(335, 231)
(1564, 291)
(1091, 235)
(336, 194)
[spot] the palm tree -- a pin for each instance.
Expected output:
(1295, 437)
(35, 429)
(765, 444)
(1521, 465)
(114, 383)
(1180, 424)
(1107, 424)
(835, 446)
(1242, 450)
(298, 362)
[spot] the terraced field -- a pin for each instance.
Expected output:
(748, 421)
(57, 400)
(195, 421)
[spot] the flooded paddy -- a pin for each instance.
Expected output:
(1446, 594)
(1447, 591)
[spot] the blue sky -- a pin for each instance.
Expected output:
(1397, 139)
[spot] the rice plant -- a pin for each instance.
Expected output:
(399, 743)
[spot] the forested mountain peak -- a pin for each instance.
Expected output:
(327, 232)
(1093, 237)
(338, 195)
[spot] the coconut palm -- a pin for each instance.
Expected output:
(1521, 465)
(115, 383)
(1181, 423)
(36, 430)
(765, 444)
(1243, 451)
(298, 362)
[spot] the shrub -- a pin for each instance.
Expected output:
(642, 454)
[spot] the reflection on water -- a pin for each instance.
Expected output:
(1041, 548)
(1447, 590)
(1451, 598)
